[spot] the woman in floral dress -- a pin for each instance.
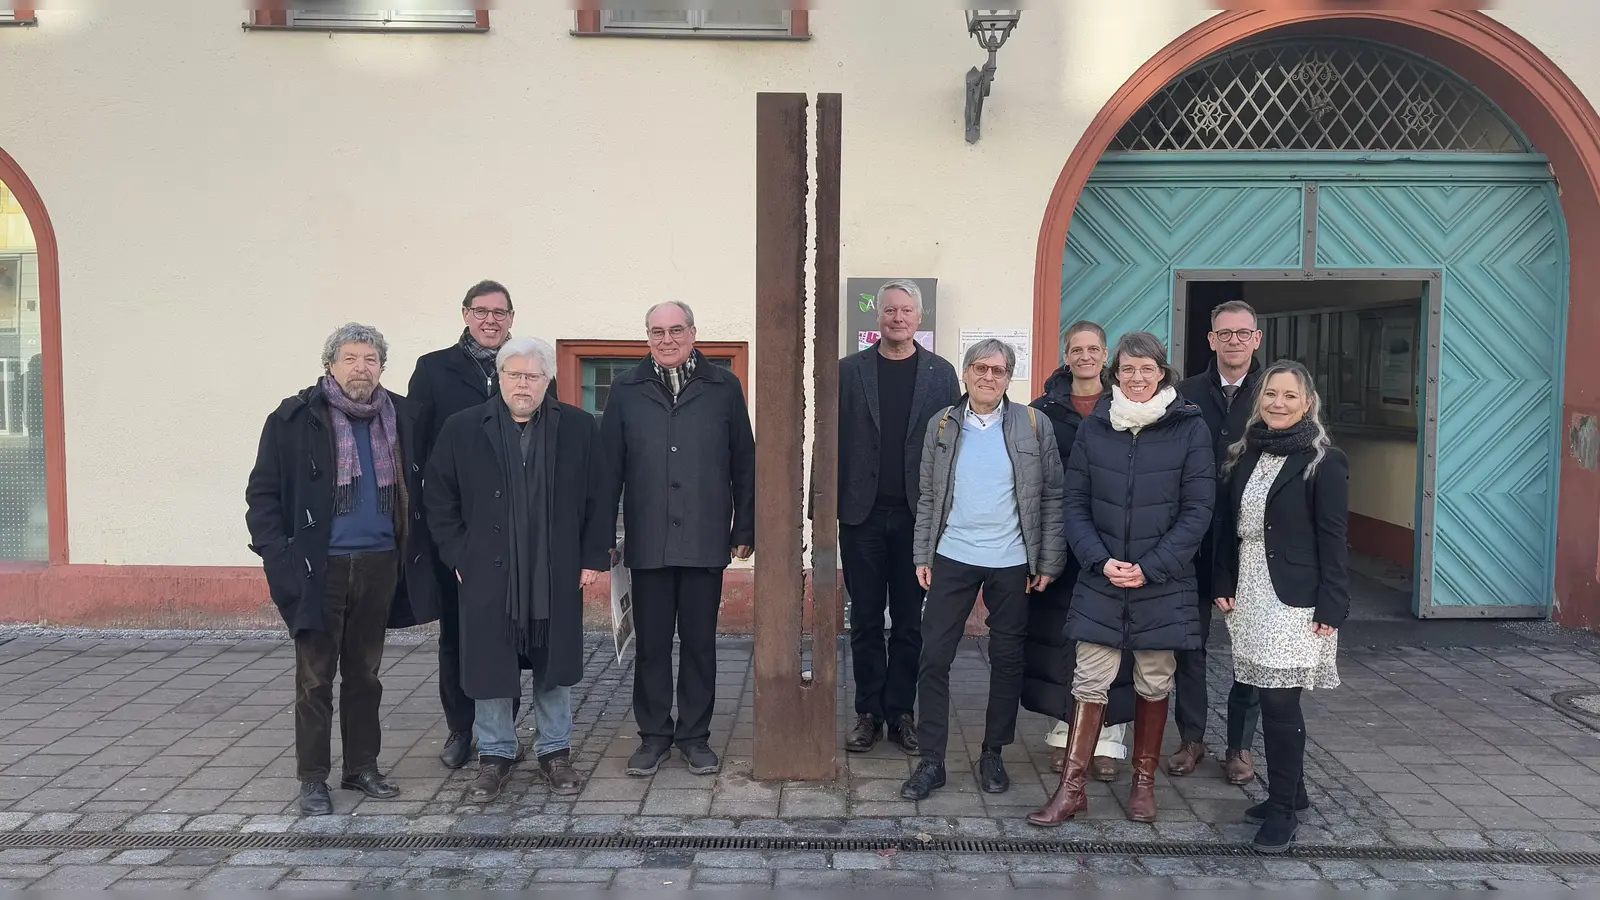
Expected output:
(1280, 576)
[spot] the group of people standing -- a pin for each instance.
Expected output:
(482, 501)
(1100, 525)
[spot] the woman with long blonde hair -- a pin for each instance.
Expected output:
(1280, 576)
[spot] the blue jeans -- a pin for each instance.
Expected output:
(496, 725)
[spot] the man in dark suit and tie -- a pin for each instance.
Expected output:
(887, 394)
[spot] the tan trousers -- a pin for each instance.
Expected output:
(1097, 668)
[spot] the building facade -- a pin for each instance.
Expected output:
(195, 195)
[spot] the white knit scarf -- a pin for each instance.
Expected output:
(1126, 415)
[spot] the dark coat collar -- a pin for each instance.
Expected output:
(1294, 466)
(1214, 377)
(869, 379)
(646, 370)
(1180, 409)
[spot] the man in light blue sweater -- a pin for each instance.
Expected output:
(988, 518)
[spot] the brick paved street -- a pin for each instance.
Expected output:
(1437, 742)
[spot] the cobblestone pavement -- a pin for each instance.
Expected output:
(1443, 742)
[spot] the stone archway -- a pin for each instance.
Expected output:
(1524, 83)
(44, 234)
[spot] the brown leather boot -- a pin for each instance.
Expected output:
(1070, 798)
(1149, 721)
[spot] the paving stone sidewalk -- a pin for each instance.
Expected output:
(1429, 743)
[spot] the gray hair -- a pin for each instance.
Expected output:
(354, 333)
(688, 314)
(900, 284)
(530, 348)
(989, 347)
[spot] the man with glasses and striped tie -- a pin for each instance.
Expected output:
(1225, 393)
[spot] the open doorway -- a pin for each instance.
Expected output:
(1363, 343)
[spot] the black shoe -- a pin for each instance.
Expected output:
(903, 731)
(648, 758)
(1257, 814)
(701, 759)
(1276, 833)
(868, 732)
(928, 778)
(992, 777)
(372, 784)
(314, 799)
(457, 750)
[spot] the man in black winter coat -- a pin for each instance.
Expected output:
(887, 394)
(1225, 393)
(514, 501)
(335, 513)
(682, 459)
(445, 382)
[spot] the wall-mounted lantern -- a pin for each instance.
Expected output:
(991, 27)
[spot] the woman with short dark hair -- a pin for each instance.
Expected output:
(1280, 576)
(1140, 485)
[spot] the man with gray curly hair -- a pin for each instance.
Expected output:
(334, 512)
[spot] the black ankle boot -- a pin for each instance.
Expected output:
(1277, 833)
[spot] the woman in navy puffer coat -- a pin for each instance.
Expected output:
(1139, 492)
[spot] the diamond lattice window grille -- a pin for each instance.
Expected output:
(1325, 94)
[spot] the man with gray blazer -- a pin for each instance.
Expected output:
(887, 394)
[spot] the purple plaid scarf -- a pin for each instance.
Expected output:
(384, 452)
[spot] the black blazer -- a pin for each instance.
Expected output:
(1305, 533)
(859, 429)
(446, 382)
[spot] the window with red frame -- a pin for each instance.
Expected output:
(775, 22)
(17, 14)
(352, 15)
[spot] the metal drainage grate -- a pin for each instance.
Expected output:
(118, 840)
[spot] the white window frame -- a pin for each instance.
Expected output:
(383, 18)
(699, 22)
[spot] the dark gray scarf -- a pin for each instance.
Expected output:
(482, 357)
(530, 454)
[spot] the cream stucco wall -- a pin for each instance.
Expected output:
(224, 198)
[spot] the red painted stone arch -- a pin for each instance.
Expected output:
(55, 442)
(1528, 86)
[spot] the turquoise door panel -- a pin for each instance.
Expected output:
(1502, 250)
(1126, 240)
(1491, 225)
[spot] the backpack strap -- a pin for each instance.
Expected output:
(943, 418)
(1033, 419)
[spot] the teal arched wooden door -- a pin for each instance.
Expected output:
(1490, 225)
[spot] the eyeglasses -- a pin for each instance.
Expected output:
(1239, 335)
(524, 377)
(480, 313)
(1141, 372)
(676, 331)
(980, 370)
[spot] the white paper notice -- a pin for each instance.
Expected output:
(621, 605)
(1020, 339)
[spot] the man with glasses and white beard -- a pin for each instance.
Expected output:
(1225, 393)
